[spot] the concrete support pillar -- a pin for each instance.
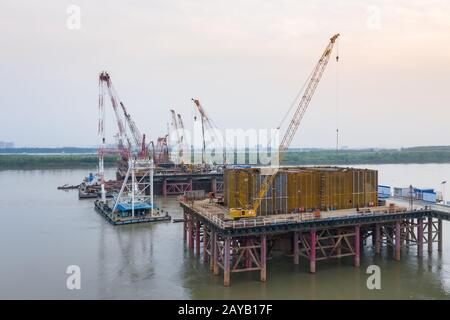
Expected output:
(312, 254)
(398, 240)
(357, 246)
(430, 234)
(295, 248)
(263, 258)
(213, 184)
(440, 238)
(420, 237)
(164, 188)
(197, 237)
(226, 262)
(377, 238)
(215, 265)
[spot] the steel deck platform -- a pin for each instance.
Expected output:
(213, 216)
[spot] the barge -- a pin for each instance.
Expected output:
(143, 213)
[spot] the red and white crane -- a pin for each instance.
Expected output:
(138, 138)
(179, 137)
(124, 144)
(161, 150)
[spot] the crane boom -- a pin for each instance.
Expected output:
(306, 98)
(161, 151)
(296, 119)
(124, 144)
(177, 131)
(184, 145)
(181, 127)
(211, 127)
(137, 136)
(104, 78)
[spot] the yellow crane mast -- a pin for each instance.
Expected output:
(292, 129)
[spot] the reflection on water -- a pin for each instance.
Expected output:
(43, 230)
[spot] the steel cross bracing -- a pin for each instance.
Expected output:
(137, 186)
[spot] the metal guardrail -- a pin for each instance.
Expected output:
(273, 221)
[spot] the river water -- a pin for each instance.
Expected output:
(44, 230)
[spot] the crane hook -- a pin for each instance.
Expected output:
(337, 51)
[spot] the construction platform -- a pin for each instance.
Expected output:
(245, 245)
(105, 210)
(166, 184)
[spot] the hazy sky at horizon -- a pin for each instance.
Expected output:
(245, 60)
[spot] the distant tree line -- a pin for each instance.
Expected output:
(46, 161)
(87, 157)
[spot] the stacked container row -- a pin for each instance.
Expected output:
(302, 189)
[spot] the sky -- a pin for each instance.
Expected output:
(245, 60)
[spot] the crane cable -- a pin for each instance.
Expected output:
(337, 96)
(294, 103)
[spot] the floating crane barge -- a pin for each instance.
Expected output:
(143, 213)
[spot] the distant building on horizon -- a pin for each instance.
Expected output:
(6, 145)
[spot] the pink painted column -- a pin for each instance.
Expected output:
(377, 238)
(205, 244)
(296, 251)
(420, 237)
(312, 253)
(190, 187)
(430, 234)
(212, 249)
(215, 265)
(197, 237)
(357, 246)
(263, 258)
(226, 262)
(397, 240)
(191, 234)
(440, 239)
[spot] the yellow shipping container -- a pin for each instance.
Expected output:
(302, 189)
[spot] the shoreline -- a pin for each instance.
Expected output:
(347, 158)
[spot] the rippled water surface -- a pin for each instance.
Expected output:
(43, 230)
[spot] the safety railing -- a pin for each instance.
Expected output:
(203, 209)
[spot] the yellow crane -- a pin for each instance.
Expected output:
(302, 105)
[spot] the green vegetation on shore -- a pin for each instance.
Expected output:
(385, 156)
(52, 161)
(315, 157)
